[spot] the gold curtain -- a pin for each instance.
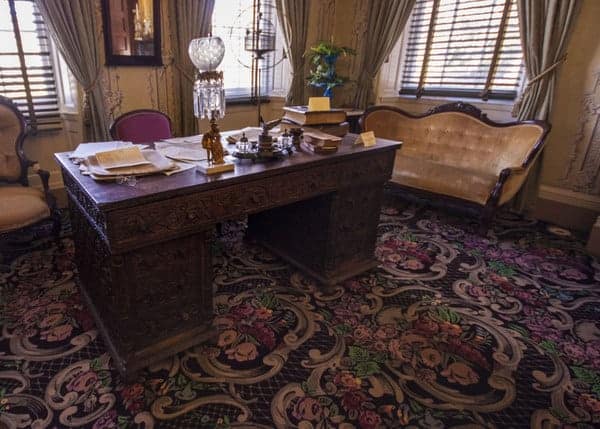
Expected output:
(293, 17)
(545, 26)
(71, 25)
(190, 19)
(387, 19)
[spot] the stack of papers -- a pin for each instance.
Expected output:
(128, 161)
(113, 159)
(86, 149)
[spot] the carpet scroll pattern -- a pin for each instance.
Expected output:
(452, 330)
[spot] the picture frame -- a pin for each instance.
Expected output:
(132, 32)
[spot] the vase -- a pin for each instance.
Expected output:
(330, 60)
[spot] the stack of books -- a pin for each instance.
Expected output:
(320, 142)
(332, 121)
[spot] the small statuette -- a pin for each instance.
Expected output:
(211, 141)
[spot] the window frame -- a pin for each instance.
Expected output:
(276, 76)
(67, 95)
(35, 117)
(474, 95)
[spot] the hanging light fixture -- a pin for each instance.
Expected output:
(260, 37)
(259, 40)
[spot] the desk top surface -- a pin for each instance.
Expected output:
(157, 186)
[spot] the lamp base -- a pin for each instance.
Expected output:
(206, 168)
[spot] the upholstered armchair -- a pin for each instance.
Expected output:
(20, 204)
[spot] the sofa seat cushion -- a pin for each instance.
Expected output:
(458, 182)
(21, 206)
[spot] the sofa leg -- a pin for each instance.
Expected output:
(485, 219)
(484, 226)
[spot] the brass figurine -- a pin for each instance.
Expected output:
(211, 141)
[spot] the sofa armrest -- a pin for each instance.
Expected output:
(499, 191)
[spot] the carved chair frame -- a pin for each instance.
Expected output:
(26, 163)
(486, 211)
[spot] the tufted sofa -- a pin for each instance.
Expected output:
(456, 151)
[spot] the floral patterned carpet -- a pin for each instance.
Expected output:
(452, 330)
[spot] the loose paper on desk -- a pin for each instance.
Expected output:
(86, 149)
(126, 157)
(367, 139)
(316, 104)
(184, 140)
(181, 153)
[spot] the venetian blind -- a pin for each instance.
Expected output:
(463, 48)
(26, 73)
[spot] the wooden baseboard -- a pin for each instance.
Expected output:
(571, 198)
(566, 208)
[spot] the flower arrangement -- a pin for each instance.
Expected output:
(324, 56)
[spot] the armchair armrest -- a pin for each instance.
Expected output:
(45, 179)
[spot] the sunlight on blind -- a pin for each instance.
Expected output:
(471, 49)
(230, 20)
(26, 75)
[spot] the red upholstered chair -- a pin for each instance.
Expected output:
(141, 126)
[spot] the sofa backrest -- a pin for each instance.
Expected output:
(459, 135)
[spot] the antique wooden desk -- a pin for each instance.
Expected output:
(144, 258)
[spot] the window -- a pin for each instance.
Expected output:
(230, 20)
(67, 84)
(26, 72)
(463, 48)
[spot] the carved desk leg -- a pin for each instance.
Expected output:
(150, 302)
(331, 237)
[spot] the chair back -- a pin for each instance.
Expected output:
(13, 129)
(141, 126)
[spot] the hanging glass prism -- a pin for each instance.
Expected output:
(209, 95)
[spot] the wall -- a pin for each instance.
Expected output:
(572, 157)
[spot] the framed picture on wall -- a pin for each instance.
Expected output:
(132, 32)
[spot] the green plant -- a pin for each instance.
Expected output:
(324, 56)
(328, 49)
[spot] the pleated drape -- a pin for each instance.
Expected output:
(71, 25)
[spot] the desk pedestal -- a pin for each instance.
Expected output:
(330, 237)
